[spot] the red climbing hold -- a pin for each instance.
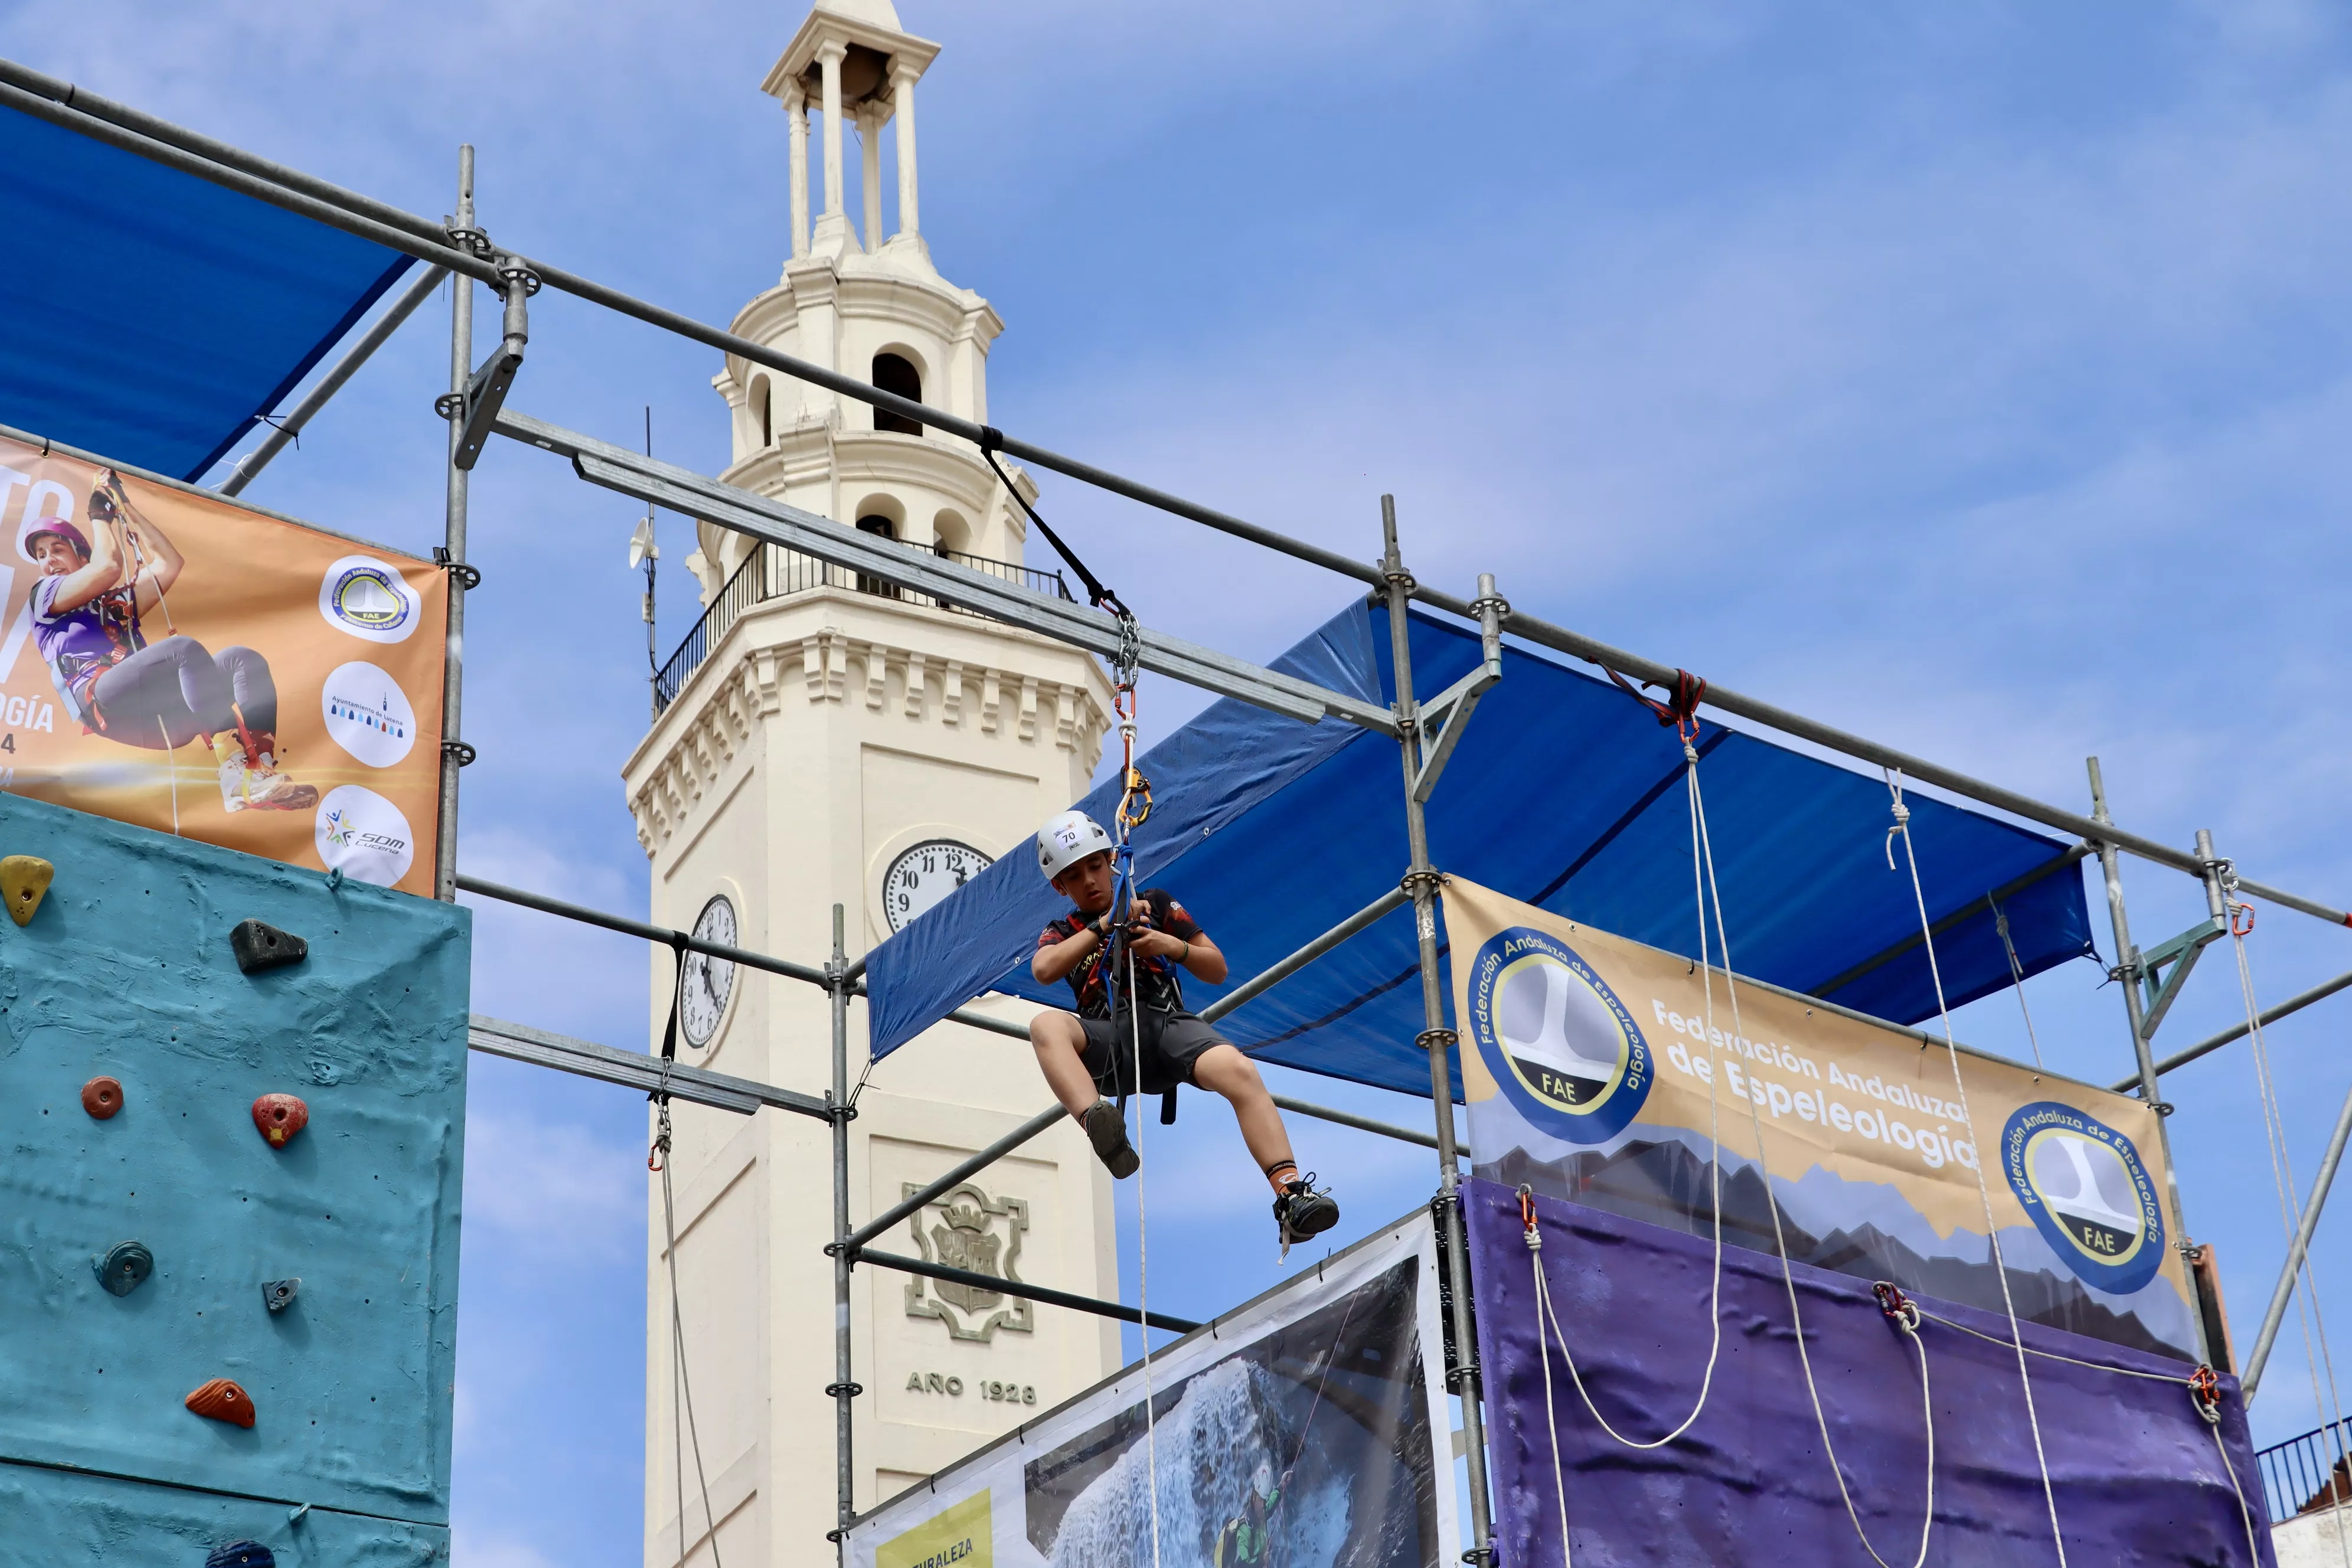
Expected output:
(220, 1400)
(280, 1117)
(101, 1096)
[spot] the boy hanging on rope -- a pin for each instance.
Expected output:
(1092, 1053)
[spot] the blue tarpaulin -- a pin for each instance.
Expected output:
(153, 316)
(1564, 793)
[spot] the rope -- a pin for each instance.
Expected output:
(1102, 598)
(2307, 1294)
(658, 1160)
(1142, 1245)
(2016, 976)
(1984, 1194)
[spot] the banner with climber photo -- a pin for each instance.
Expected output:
(177, 661)
(1297, 1432)
(1605, 1072)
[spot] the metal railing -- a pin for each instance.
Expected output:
(2304, 1474)
(774, 573)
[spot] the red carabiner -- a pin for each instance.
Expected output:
(2247, 928)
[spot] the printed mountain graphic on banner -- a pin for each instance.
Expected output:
(1667, 1184)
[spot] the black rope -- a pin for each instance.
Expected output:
(1102, 598)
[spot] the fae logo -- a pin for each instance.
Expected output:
(2088, 1194)
(367, 598)
(368, 715)
(363, 835)
(1566, 1051)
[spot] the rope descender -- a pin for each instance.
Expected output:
(1900, 1309)
(1528, 1219)
(2205, 1394)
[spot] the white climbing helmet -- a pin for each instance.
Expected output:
(1067, 839)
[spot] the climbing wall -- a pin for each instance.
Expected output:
(228, 1207)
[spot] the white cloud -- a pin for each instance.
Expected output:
(552, 1191)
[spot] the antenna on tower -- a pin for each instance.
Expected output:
(644, 552)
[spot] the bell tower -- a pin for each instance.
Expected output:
(826, 738)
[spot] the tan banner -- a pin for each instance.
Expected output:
(180, 662)
(1596, 1068)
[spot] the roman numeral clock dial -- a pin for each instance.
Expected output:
(924, 875)
(708, 981)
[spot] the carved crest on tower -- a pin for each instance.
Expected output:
(968, 1230)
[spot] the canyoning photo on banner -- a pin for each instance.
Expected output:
(1593, 1073)
(177, 661)
(1295, 1434)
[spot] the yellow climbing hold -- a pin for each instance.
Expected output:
(22, 880)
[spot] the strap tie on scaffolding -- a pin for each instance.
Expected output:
(1679, 711)
(991, 441)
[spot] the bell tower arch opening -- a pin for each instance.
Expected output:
(895, 373)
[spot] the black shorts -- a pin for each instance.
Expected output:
(1173, 1042)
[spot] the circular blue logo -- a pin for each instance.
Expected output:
(1565, 1049)
(2089, 1195)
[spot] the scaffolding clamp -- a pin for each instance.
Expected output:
(475, 409)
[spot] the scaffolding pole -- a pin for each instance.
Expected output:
(2294, 1004)
(1421, 882)
(842, 1390)
(454, 752)
(2295, 1253)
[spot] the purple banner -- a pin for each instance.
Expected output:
(2137, 1474)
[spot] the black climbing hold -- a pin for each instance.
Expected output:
(279, 1294)
(124, 1268)
(260, 946)
(242, 1554)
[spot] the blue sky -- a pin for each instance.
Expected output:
(1965, 376)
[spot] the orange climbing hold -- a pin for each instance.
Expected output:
(101, 1096)
(220, 1400)
(280, 1117)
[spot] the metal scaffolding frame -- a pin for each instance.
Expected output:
(1425, 733)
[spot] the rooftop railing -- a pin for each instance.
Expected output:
(2305, 1474)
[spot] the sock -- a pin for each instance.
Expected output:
(1281, 1173)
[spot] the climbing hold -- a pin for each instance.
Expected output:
(101, 1096)
(242, 1553)
(280, 1117)
(220, 1400)
(124, 1268)
(260, 946)
(22, 880)
(279, 1294)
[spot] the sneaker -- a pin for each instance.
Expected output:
(1107, 1131)
(1301, 1211)
(247, 785)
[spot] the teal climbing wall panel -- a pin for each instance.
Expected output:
(126, 972)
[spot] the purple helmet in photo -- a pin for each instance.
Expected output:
(32, 528)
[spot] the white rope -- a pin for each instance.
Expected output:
(678, 1356)
(2307, 1291)
(2016, 976)
(1143, 1249)
(1714, 1170)
(1984, 1194)
(1780, 1248)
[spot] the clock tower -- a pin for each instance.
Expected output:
(826, 738)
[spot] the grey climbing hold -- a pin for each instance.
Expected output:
(260, 946)
(124, 1268)
(279, 1294)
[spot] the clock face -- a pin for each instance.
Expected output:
(708, 981)
(926, 874)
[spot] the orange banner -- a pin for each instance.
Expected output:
(177, 661)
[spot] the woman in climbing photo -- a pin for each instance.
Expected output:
(87, 609)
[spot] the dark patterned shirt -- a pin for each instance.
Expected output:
(1156, 978)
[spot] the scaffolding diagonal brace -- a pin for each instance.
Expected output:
(1439, 722)
(804, 533)
(2157, 988)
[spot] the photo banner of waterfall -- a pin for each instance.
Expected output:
(179, 662)
(1295, 1432)
(1587, 1065)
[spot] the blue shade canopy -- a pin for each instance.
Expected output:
(155, 316)
(1563, 793)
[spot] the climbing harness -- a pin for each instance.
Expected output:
(681, 1386)
(1533, 1235)
(2325, 1400)
(1902, 825)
